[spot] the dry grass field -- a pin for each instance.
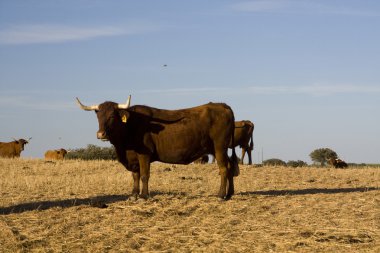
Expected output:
(78, 206)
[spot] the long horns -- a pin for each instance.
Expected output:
(96, 107)
(87, 108)
(25, 140)
(126, 105)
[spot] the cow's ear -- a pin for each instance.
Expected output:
(124, 115)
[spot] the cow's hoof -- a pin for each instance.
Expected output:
(228, 197)
(141, 200)
(134, 197)
(144, 196)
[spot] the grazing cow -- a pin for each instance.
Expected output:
(243, 138)
(338, 163)
(57, 154)
(12, 149)
(142, 134)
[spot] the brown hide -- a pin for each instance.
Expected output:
(58, 154)
(243, 138)
(178, 136)
(12, 149)
(143, 134)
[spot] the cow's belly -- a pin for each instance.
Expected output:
(181, 146)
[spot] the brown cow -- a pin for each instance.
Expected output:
(338, 163)
(12, 149)
(146, 134)
(243, 138)
(57, 154)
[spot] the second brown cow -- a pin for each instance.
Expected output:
(57, 154)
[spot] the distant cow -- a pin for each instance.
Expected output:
(243, 138)
(338, 163)
(12, 149)
(57, 154)
(146, 134)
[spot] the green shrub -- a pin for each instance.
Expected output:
(274, 162)
(322, 156)
(92, 152)
(295, 164)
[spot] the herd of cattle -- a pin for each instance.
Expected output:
(143, 134)
(243, 139)
(13, 150)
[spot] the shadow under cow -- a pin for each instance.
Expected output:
(310, 191)
(102, 201)
(98, 201)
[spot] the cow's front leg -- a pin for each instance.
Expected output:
(144, 175)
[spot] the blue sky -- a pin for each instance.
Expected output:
(305, 72)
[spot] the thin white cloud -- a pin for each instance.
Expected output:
(316, 90)
(313, 90)
(260, 6)
(34, 103)
(300, 7)
(31, 34)
(186, 90)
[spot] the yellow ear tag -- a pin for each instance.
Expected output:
(124, 119)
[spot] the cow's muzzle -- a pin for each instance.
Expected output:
(101, 135)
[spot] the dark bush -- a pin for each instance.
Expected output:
(295, 164)
(92, 152)
(274, 162)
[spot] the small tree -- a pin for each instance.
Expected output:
(322, 155)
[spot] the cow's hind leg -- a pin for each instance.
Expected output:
(249, 152)
(230, 186)
(225, 174)
(136, 184)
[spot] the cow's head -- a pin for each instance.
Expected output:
(110, 115)
(62, 152)
(22, 142)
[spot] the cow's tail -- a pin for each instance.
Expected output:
(251, 142)
(234, 163)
